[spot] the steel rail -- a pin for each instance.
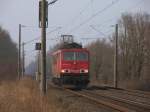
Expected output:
(123, 100)
(97, 101)
(138, 92)
(107, 102)
(101, 102)
(142, 95)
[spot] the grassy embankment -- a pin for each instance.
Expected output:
(23, 96)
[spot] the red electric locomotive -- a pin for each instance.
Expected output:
(71, 65)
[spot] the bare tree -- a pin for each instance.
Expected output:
(8, 56)
(133, 48)
(101, 59)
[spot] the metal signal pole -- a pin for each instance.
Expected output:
(43, 46)
(43, 18)
(39, 67)
(116, 58)
(23, 59)
(19, 53)
(38, 73)
(43, 24)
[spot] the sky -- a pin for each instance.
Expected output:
(75, 17)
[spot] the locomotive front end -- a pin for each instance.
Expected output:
(75, 66)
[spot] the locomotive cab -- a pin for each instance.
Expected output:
(71, 67)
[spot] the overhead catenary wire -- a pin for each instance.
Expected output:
(97, 30)
(76, 17)
(38, 38)
(81, 12)
(110, 20)
(106, 21)
(55, 39)
(35, 28)
(114, 18)
(94, 15)
(89, 38)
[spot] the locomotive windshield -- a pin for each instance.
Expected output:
(81, 56)
(69, 56)
(72, 56)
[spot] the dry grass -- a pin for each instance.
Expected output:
(23, 96)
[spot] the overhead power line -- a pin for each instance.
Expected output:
(89, 38)
(55, 39)
(32, 40)
(81, 12)
(97, 30)
(128, 8)
(37, 38)
(114, 18)
(94, 15)
(76, 17)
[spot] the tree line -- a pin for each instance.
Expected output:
(133, 52)
(8, 56)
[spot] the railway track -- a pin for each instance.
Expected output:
(100, 102)
(111, 102)
(132, 93)
(139, 97)
(128, 103)
(137, 93)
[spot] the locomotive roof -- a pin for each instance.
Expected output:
(72, 45)
(69, 47)
(74, 49)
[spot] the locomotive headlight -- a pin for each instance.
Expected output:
(65, 71)
(84, 71)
